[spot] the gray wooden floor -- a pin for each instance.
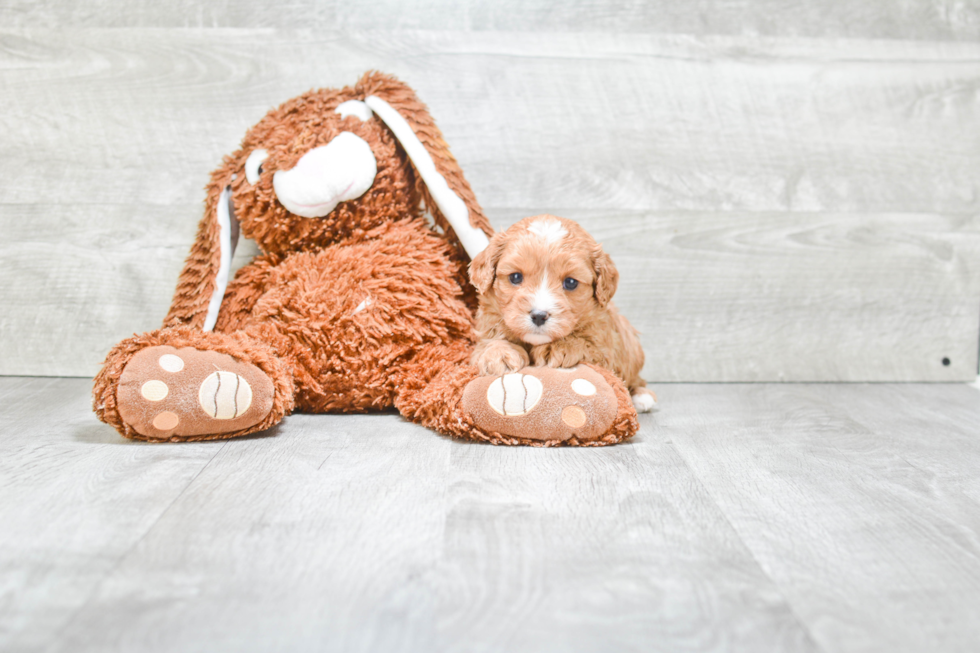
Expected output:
(743, 517)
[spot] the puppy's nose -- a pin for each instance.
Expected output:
(539, 317)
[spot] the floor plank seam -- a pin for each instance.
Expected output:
(789, 604)
(123, 557)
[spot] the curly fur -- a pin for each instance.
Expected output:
(363, 309)
(582, 325)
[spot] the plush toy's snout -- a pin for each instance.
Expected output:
(341, 170)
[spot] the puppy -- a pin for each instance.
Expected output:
(545, 287)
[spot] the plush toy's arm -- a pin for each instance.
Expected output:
(244, 292)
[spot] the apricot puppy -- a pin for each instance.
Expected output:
(545, 287)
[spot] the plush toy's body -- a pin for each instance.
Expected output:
(357, 302)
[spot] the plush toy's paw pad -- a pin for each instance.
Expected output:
(543, 404)
(645, 401)
(514, 394)
(168, 393)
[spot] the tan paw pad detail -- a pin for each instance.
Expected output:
(154, 390)
(225, 395)
(514, 394)
(166, 421)
(583, 387)
(573, 416)
(171, 363)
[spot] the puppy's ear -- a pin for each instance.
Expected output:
(202, 283)
(606, 276)
(446, 193)
(483, 267)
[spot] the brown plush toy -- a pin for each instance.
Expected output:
(355, 304)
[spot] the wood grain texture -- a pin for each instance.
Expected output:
(562, 121)
(118, 129)
(76, 498)
(907, 20)
(716, 296)
(858, 500)
(741, 518)
(367, 533)
(607, 552)
(77, 280)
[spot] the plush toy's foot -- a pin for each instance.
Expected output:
(549, 406)
(175, 394)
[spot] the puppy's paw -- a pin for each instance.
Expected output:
(645, 400)
(561, 353)
(501, 357)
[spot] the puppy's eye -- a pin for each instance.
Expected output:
(516, 278)
(570, 283)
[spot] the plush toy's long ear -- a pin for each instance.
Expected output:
(202, 283)
(447, 194)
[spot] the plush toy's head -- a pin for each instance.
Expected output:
(321, 168)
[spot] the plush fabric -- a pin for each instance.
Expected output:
(364, 308)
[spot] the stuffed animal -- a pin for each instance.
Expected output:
(356, 303)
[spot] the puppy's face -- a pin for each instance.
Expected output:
(542, 277)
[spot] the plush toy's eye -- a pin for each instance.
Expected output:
(253, 165)
(570, 283)
(516, 278)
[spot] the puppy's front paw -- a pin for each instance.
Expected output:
(562, 353)
(501, 357)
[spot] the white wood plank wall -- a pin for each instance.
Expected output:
(790, 189)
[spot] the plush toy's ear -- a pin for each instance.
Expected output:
(606, 276)
(202, 283)
(483, 267)
(447, 194)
